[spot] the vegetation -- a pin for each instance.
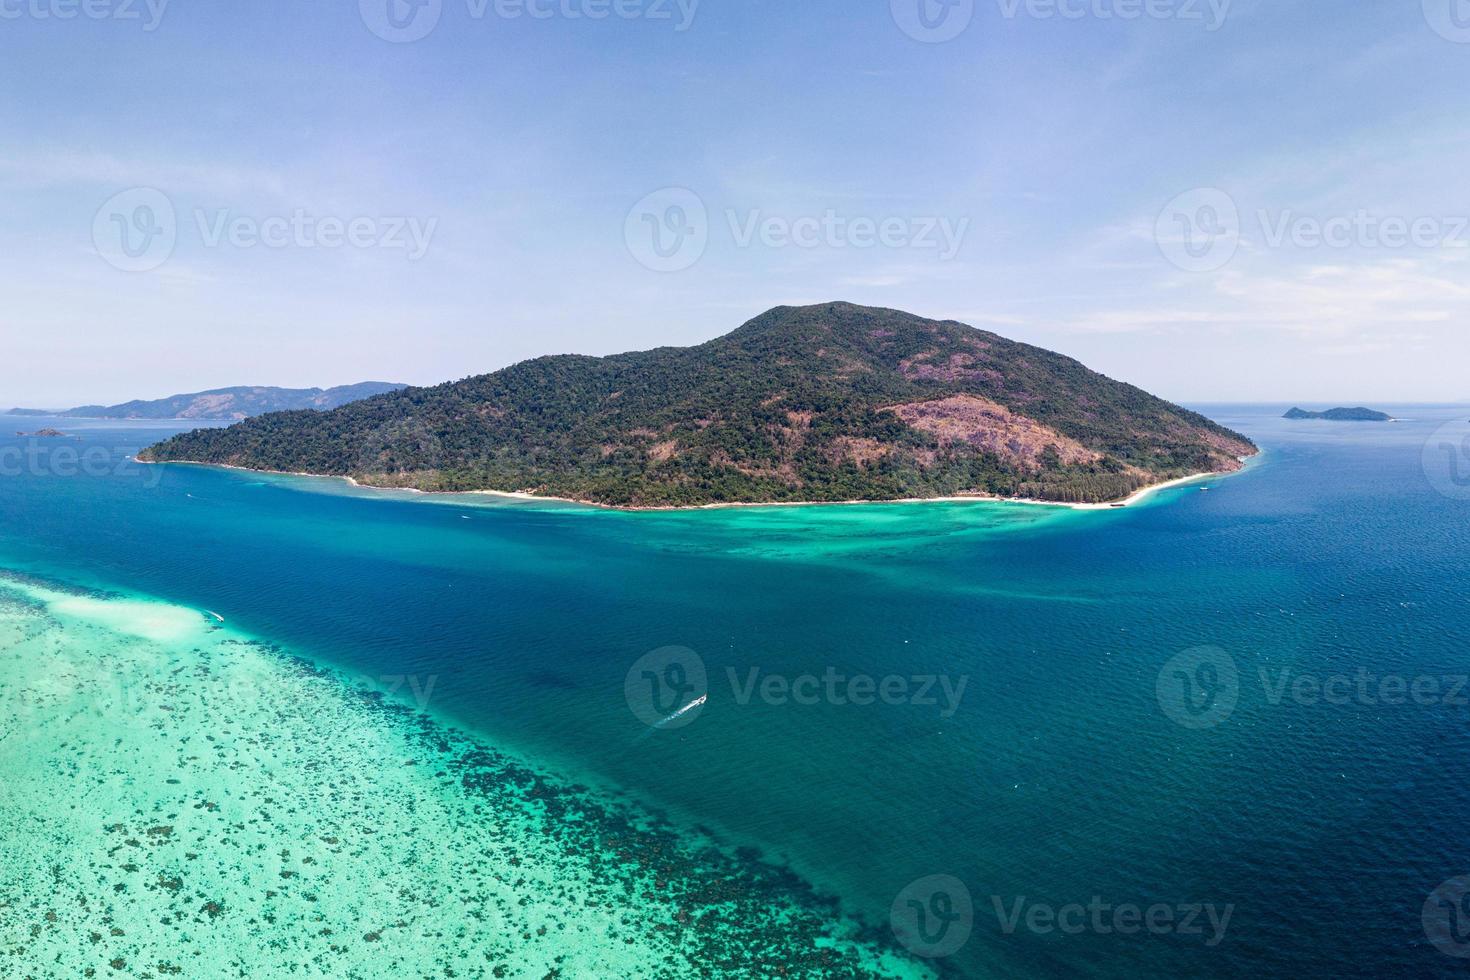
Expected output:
(1340, 415)
(224, 404)
(799, 404)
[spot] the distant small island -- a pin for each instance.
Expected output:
(1340, 415)
(44, 434)
(225, 404)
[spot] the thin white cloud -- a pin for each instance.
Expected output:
(64, 168)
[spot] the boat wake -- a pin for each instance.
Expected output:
(696, 703)
(665, 722)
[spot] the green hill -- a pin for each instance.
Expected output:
(1340, 415)
(821, 403)
(224, 404)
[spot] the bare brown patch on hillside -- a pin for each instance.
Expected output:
(958, 367)
(1232, 447)
(853, 449)
(204, 405)
(993, 428)
(784, 472)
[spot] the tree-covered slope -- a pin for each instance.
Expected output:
(1341, 415)
(830, 402)
(224, 404)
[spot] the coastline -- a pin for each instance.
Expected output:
(1137, 497)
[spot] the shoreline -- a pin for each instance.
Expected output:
(1138, 496)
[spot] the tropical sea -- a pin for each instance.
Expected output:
(273, 726)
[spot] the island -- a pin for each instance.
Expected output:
(43, 434)
(1340, 415)
(826, 403)
(224, 404)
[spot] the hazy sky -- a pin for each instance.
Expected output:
(197, 194)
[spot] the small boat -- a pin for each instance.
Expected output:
(696, 703)
(215, 615)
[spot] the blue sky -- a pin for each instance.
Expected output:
(1140, 192)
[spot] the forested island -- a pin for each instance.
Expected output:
(1341, 415)
(833, 402)
(224, 404)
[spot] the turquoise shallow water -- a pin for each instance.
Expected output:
(180, 800)
(1051, 770)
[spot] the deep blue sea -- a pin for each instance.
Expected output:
(1223, 733)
